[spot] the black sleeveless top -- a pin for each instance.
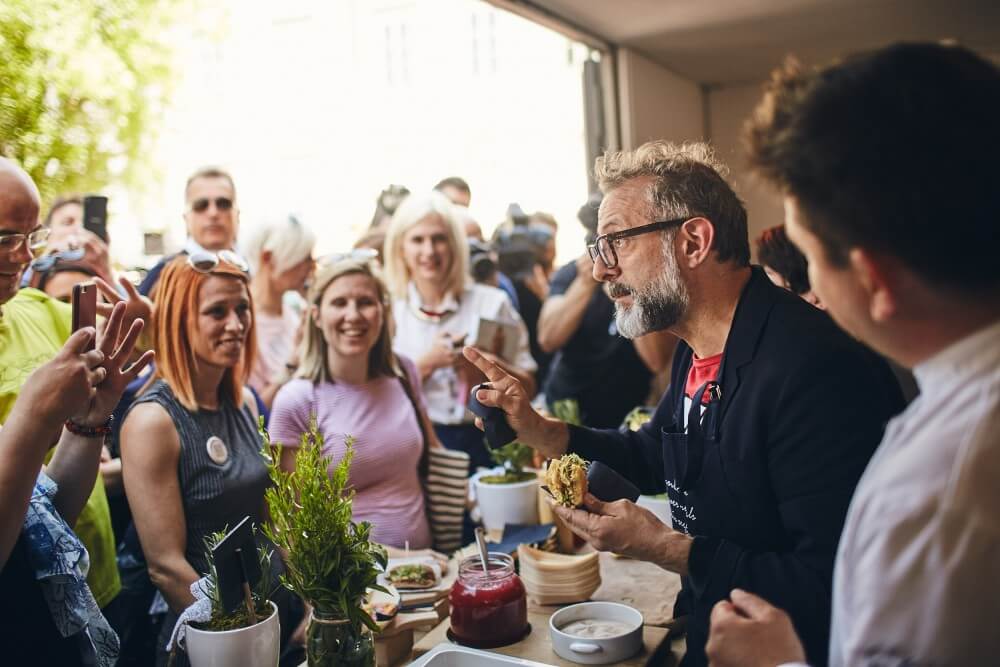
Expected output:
(221, 484)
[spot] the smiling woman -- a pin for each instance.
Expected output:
(190, 447)
(352, 384)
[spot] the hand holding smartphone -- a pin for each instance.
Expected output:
(85, 309)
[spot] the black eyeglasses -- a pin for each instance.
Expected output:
(201, 205)
(206, 262)
(604, 245)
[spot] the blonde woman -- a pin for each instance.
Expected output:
(280, 253)
(438, 309)
(354, 384)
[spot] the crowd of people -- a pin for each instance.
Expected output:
(820, 513)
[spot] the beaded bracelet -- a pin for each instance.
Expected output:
(90, 431)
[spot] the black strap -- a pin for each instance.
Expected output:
(696, 434)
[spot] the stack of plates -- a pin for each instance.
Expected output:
(556, 578)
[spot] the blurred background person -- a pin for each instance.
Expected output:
(190, 446)
(352, 383)
(211, 215)
(280, 254)
(386, 203)
(785, 264)
(605, 373)
(437, 309)
(456, 189)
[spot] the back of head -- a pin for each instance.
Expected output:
(688, 182)
(894, 151)
(454, 182)
(287, 240)
(177, 306)
(775, 249)
(412, 211)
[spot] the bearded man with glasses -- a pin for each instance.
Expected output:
(771, 416)
(211, 215)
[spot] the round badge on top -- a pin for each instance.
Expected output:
(217, 450)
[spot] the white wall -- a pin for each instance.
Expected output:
(729, 107)
(655, 103)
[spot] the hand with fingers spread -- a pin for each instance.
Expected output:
(747, 631)
(137, 307)
(115, 352)
(548, 436)
(627, 529)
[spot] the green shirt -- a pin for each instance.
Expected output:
(33, 328)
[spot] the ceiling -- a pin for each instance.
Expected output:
(738, 41)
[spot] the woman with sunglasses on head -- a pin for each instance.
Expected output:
(190, 447)
(438, 309)
(280, 256)
(353, 383)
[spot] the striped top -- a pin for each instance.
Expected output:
(387, 449)
(222, 483)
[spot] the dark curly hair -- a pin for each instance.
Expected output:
(776, 251)
(891, 150)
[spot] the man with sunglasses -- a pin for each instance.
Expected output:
(771, 416)
(211, 216)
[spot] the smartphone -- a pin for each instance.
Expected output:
(95, 215)
(85, 308)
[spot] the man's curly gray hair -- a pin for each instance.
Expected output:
(688, 181)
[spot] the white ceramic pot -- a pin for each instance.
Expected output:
(501, 504)
(596, 651)
(256, 646)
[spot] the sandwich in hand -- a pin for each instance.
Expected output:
(566, 479)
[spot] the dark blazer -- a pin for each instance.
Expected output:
(802, 409)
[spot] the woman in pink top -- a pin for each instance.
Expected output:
(352, 382)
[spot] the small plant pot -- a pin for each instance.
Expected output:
(255, 646)
(501, 504)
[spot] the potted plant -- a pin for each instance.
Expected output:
(508, 493)
(330, 561)
(241, 634)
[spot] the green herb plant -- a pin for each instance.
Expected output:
(260, 593)
(567, 410)
(330, 560)
(513, 456)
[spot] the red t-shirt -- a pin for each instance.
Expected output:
(702, 371)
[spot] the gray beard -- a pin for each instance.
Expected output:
(658, 306)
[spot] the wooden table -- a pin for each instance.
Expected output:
(644, 586)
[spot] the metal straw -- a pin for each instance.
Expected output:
(483, 555)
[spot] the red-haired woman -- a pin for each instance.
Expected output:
(190, 447)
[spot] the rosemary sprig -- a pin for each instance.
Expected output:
(330, 560)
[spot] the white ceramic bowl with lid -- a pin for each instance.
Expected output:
(622, 644)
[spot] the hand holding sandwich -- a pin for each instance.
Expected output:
(627, 529)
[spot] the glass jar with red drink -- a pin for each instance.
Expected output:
(488, 608)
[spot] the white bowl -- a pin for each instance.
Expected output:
(596, 651)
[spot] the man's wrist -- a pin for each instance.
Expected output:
(85, 430)
(676, 551)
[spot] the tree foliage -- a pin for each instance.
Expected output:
(82, 88)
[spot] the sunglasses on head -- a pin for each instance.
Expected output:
(206, 262)
(201, 205)
(356, 255)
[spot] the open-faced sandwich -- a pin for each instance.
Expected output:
(412, 575)
(566, 480)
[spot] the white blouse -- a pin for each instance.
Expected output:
(415, 332)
